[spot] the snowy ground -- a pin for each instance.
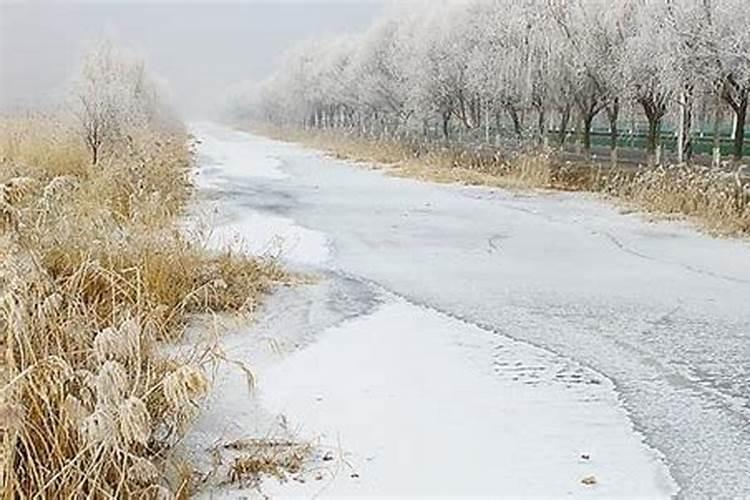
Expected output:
(474, 341)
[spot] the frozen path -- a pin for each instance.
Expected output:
(443, 278)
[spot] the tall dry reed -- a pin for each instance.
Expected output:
(94, 278)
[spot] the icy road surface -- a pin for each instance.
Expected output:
(479, 341)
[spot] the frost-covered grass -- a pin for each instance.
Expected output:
(95, 276)
(717, 200)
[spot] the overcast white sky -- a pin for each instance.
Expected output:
(199, 48)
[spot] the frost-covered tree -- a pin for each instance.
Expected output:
(477, 68)
(448, 71)
(111, 95)
(643, 64)
(503, 60)
(692, 70)
(381, 75)
(593, 39)
(731, 48)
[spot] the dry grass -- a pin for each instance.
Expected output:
(253, 459)
(247, 463)
(94, 276)
(719, 201)
(715, 200)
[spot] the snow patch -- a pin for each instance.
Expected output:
(231, 153)
(263, 234)
(228, 160)
(409, 397)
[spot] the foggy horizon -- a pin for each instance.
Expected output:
(199, 50)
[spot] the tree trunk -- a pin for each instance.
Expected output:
(542, 124)
(654, 114)
(653, 134)
(487, 123)
(681, 130)
(586, 129)
(716, 153)
(564, 120)
(613, 113)
(588, 106)
(477, 112)
(739, 129)
(446, 119)
(94, 142)
(685, 142)
(517, 123)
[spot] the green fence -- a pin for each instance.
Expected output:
(701, 145)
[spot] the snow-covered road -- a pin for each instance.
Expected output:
(477, 341)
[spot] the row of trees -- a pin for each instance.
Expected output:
(524, 66)
(112, 96)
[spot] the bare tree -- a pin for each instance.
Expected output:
(112, 95)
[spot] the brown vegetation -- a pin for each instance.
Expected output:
(253, 459)
(94, 277)
(717, 200)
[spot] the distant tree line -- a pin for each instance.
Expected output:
(527, 67)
